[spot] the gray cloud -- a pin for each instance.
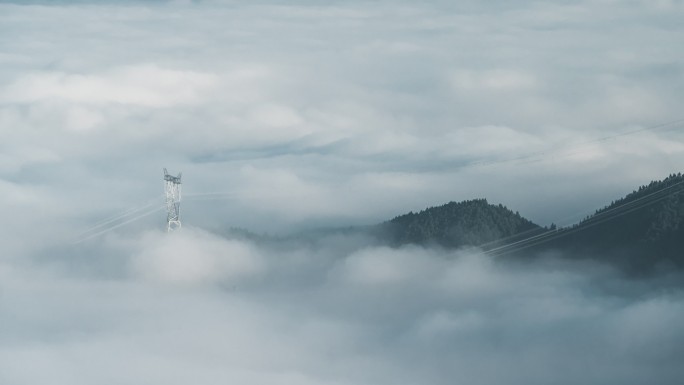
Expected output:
(196, 306)
(339, 102)
(284, 117)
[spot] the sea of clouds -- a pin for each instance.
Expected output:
(195, 307)
(285, 117)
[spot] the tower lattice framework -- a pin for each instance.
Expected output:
(172, 188)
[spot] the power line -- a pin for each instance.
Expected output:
(556, 151)
(118, 217)
(600, 218)
(108, 229)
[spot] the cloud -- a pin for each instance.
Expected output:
(407, 103)
(195, 305)
(497, 80)
(283, 117)
(141, 85)
(195, 257)
(276, 116)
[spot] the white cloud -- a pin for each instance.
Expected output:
(83, 119)
(138, 85)
(276, 116)
(497, 80)
(194, 257)
(384, 266)
(197, 307)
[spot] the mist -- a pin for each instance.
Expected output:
(193, 306)
(289, 117)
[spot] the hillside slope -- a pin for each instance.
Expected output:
(643, 229)
(468, 223)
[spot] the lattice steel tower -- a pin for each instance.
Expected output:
(172, 187)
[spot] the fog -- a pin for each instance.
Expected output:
(195, 307)
(289, 117)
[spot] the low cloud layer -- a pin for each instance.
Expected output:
(195, 307)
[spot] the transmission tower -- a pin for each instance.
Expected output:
(172, 187)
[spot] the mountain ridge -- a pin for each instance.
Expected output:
(640, 231)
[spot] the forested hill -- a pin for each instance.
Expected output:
(468, 223)
(645, 228)
(642, 230)
(662, 199)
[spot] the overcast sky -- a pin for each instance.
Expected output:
(305, 113)
(344, 112)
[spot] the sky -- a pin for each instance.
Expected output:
(285, 116)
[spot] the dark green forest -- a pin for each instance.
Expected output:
(642, 230)
(468, 223)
